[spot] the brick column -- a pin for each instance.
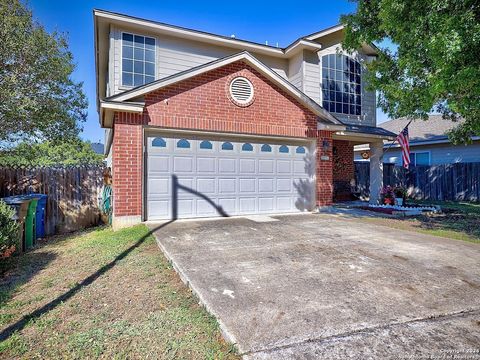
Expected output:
(343, 170)
(127, 171)
(324, 168)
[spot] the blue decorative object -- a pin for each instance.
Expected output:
(183, 144)
(283, 149)
(266, 148)
(206, 145)
(247, 147)
(300, 150)
(159, 142)
(227, 146)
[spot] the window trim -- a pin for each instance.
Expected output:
(415, 152)
(121, 86)
(355, 58)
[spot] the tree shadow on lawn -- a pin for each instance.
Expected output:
(20, 324)
(18, 270)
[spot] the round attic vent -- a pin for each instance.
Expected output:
(241, 90)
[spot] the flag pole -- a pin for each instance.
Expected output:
(394, 141)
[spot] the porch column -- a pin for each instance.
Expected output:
(376, 171)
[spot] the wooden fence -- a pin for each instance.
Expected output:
(73, 193)
(460, 181)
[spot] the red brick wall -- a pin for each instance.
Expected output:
(343, 169)
(127, 164)
(324, 169)
(202, 103)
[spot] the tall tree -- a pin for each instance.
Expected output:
(49, 153)
(38, 98)
(434, 63)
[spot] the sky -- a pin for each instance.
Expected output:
(273, 21)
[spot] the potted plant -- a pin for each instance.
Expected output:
(387, 195)
(400, 194)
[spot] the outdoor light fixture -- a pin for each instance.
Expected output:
(325, 145)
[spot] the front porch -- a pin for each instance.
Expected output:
(343, 161)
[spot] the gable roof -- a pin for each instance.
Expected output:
(298, 44)
(433, 129)
(245, 57)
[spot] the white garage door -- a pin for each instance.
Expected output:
(202, 177)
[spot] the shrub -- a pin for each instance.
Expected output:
(8, 230)
(400, 192)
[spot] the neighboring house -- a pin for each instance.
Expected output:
(429, 143)
(199, 124)
(98, 148)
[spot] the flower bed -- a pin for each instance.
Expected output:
(406, 210)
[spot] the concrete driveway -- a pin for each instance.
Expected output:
(326, 286)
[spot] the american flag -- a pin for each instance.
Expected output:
(402, 139)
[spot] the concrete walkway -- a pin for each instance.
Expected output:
(329, 286)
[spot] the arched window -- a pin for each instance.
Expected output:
(183, 144)
(206, 145)
(283, 149)
(159, 142)
(341, 84)
(266, 148)
(227, 146)
(247, 147)
(300, 150)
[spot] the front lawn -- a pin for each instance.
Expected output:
(458, 220)
(102, 294)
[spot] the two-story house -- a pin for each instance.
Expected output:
(201, 125)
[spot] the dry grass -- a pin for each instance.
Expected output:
(102, 294)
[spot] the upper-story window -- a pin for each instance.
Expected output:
(138, 59)
(341, 84)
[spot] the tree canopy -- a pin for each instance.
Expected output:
(434, 63)
(49, 153)
(38, 98)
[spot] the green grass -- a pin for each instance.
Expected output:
(459, 221)
(135, 307)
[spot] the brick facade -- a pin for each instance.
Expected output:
(202, 103)
(343, 169)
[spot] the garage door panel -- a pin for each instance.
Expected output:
(185, 207)
(247, 166)
(206, 185)
(228, 205)
(247, 205)
(158, 187)
(247, 185)
(183, 164)
(227, 165)
(206, 165)
(284, 166)
(266, 204)
(266, 166)
(158, 209)
(231, 176)
(284, 185)
(266, 185)
(204, 208)
(159, 164)
(299, 167)
(284, 203)
(227, 186)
